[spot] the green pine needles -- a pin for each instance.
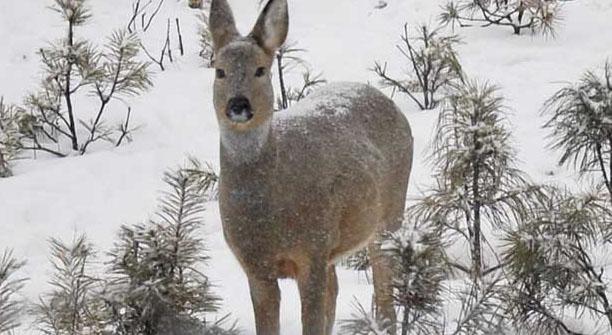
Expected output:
(157, 267)
(73, 68)
(433, 66)
(10, 306)
(72, 306)
(553, 263)
(537, 16)
(580, 125)
(477, 188)
(11, 118)
(155, 281)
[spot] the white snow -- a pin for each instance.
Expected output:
(333, 99)
(96, 193)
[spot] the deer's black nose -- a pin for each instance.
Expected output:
(239, 109)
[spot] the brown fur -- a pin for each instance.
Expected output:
(301, 188)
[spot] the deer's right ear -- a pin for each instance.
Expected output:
(221, 24)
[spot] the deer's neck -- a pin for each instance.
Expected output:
(246, 148)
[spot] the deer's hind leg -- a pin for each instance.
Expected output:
(382, 264)
(382, 276)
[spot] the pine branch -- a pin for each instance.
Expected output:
(10, 307)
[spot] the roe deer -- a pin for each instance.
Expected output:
(303, 187)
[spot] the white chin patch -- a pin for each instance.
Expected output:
(240, 118)
(245, 146)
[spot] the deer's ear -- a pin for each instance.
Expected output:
(221, 24)
(271, 28)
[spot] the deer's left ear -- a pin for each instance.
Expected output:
(271, 28)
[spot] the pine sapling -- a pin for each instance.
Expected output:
(477, 186)
(73, 68)
(158, 286)
(552, 263)
(121, 75)
(580, 122)
(539, 16)
(11, 145)
(433, 66)
(420, 267)
(11, 307)
(206, 44)
(423, 292)
(72, 307)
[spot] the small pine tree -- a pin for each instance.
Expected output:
(423, 292)
(539, 16)
(72, 306)
(420, 269)
(580, 121)
(477, 185)
(10, 136)
(73, 65)
(433, 64)
(552, 263)
(157, 287)
(10, 307)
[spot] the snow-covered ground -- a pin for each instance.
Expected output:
(96, 193)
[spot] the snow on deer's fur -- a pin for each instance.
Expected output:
(305, 186)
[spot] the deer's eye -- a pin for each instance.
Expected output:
(220, 73)
(260, 72)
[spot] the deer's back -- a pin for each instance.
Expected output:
(342, 128)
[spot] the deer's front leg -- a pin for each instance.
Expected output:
(332, 294)
(265, 296)
(312, 283)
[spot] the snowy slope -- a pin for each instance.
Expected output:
(96, 193)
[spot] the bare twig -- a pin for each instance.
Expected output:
(167, 44)
(180, 36)
(381, 71)
(159, 5)
(125, 128)
(157, 61)
(281, 79)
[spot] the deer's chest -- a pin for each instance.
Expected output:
(252, 221)
(266, 221)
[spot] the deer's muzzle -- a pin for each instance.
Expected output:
(239, 109)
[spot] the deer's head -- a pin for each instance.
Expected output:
(243, 94)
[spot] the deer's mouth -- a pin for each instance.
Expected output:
(240, 117)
